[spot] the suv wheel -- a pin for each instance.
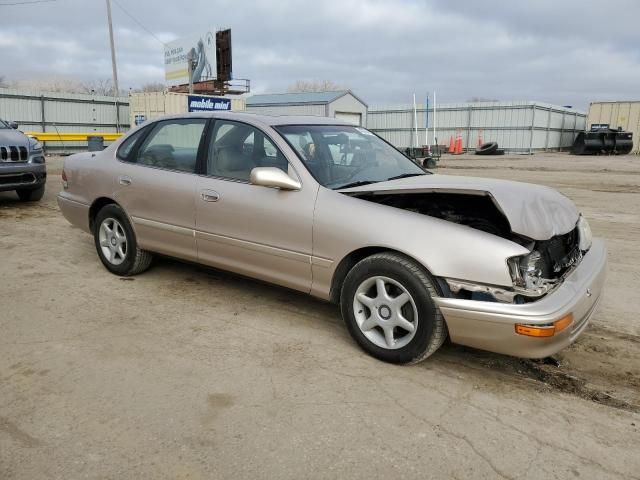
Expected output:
(116, 243)
(387, 305)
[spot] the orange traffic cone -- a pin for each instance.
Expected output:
(458, 149)
(451, 145)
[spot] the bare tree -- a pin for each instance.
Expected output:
(66, 85)
(150, 87)
(49, 85)
(314, 86)
(101, 86)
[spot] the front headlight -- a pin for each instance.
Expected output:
(514, 269)
(526, 270)
(34, 145)
(586, 237)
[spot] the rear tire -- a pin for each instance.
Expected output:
(31, 195)
(116, 243)
(387, 305)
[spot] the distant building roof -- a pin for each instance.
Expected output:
(298, 98)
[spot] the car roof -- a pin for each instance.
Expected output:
(263, 119)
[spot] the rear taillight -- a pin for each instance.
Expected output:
(65, 183)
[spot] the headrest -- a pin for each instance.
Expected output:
(230, 160)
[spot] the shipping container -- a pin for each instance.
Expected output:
(151, 105)
(625, 115)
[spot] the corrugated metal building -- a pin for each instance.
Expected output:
(516, 126)
(340, 104)
(617, 114)
(151, 105)
(64, 112)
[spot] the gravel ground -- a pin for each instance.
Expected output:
(187, 372)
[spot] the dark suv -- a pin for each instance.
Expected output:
(21, 163)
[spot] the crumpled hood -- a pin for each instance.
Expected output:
(13, 138)
(534, 211)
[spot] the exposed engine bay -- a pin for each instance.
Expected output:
(533, 275)
(477, 211)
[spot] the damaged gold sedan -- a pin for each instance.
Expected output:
(330, 209)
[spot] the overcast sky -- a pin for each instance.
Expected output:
(567, 52)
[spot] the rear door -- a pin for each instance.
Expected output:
(157, 183)
(257, 231)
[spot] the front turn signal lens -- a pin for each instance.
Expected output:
(563, 323)
(531, 331)
(545, 330)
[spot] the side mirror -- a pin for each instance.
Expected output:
(13, 125)
(273, 177)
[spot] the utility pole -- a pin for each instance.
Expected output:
(113, 51)
(116, 89)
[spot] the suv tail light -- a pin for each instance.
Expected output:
(65, 183)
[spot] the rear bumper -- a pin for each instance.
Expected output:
(15, 176)
(491, 325)
(76, 213)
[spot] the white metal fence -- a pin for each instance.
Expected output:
(516, 126)
(64, 112)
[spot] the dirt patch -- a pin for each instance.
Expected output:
(602, 366)
(17, 434)
(619, 189)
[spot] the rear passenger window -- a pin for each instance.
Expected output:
(124, 151)
(173, 145)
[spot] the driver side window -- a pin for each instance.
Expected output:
(237, 148)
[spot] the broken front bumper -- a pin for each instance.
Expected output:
(491, 325)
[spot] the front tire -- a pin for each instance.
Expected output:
(116, 243)
(387, 305)
(31, 195)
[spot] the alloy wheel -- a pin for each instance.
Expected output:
(385, 312)
(113, 241)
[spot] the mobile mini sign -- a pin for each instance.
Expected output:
(198, 103)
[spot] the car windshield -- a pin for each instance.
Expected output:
(3, 124)
(341, 156)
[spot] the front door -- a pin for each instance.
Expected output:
(257, 231)
(157, 185)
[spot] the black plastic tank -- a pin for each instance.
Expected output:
(603, 141)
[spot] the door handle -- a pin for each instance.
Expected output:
(209, 196)
(124, 180)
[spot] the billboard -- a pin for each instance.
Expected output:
(199, 103)
(203, 49)
(223, 55)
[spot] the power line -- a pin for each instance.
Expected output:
(27, 2)
(136, 21)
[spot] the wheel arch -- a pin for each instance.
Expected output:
(352, 258)
(96, 206)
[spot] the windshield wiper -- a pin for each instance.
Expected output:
(355, 184)
(405, 175)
